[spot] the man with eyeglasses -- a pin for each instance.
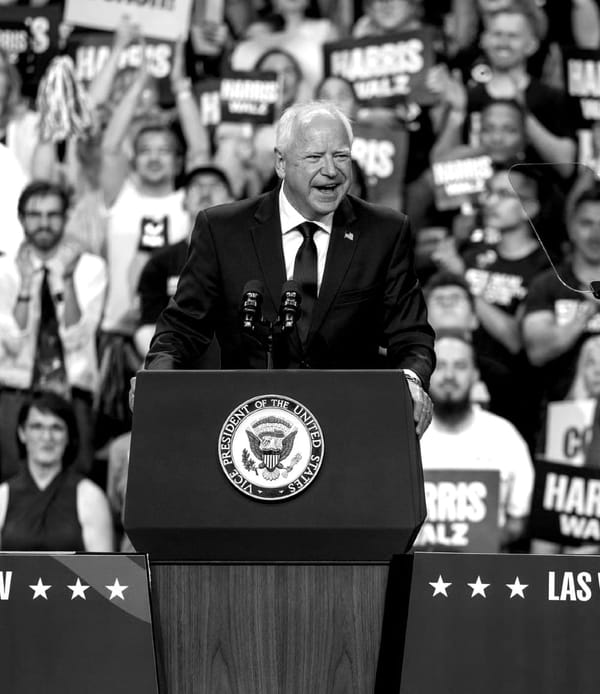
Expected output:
(51, 299)
(499, 275)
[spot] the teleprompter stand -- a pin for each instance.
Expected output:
(272, 596)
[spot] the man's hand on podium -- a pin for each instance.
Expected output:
(422, 405)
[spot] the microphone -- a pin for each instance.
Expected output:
(252, 299)
(289, 309)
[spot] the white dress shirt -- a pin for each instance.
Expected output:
(17, 346)
(292, 237)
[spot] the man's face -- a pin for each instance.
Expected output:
(508, 40)
(454, 375)
(502, 134)
(449, 307)
(43, 221)
(584, 230)
(205, 190)
(391, 15)
(155, 158)
(502, 207)
(316, 168)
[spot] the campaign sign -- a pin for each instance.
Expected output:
(249, 96)
(462, 511)
(582, 82)
(569, 430)
(384, 70)
(76, 623)
(30, 37)
(90, 50)
(493, 623)
(381, 153)
(458, 180)
(565, 507)
(159, 19)
(208, 93)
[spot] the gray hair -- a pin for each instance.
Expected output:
(301, 114)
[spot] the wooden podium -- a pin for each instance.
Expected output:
(283, 595)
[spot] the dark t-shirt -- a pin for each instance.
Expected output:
(547, 293)
(504, 284)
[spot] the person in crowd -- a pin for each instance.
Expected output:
(51, 298)
(366, 297)
(586, 382)
(499, 276)
(290, 79)
(18, 123)
(48, 506)
(204, 187)
(557, 318)
(510, 36)
(286, 24)
(388, 17)
(464, 436)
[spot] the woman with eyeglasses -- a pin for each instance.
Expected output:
(48, 506)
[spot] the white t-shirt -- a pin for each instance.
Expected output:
(137, 226)
(487, 442)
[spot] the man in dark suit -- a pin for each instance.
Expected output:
(352, 260)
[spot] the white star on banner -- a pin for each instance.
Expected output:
(39, 590)
(116, 590)
(440, 586)
(478, 588)
(78, 590)
(517, 588)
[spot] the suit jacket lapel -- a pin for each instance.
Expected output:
(342, 245)
(266, 236)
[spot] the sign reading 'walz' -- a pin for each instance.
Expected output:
(249, 96)
(462, 511)
(566, 504)
(458, 180)
(384, 70)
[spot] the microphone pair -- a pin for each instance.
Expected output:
(289, 306)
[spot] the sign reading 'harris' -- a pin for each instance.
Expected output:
(271, 447)
(384, 70)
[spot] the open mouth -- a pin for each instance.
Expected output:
(328, 189)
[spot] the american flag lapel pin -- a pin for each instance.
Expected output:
(349, 235)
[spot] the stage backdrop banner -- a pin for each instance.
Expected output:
(159, 19)
(565, 507)
(462, 511)
(493, 623)
(76, 623)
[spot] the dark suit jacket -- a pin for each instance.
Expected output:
(369, 296)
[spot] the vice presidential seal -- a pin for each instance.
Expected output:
(271, 447)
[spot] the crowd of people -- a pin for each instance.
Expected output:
(97, 219)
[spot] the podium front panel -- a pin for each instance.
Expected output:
(366, 503)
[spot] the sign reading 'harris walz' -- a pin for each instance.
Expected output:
(384, 70)
(249, 96)
(271, 447)
(566, 504)
(462, 511)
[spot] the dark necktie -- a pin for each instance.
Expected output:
(305, 273)
(49, 363)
